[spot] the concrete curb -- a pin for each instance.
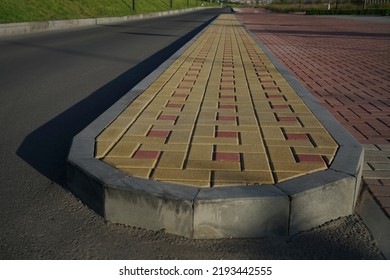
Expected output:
(10, 29)
(281, 209)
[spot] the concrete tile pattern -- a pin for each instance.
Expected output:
(220, 115)
(345, 63)
(376, 173)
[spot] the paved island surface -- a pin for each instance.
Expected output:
(220, 115)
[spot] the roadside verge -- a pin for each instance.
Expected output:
(9, 29)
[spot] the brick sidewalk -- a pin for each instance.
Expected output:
(346, 65)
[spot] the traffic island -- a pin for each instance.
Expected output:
(220, 141)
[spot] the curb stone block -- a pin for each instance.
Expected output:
(321, 197)
(261, 211)
(148, 210)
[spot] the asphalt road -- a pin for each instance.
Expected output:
(54, 84)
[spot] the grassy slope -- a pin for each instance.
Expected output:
(36, 10)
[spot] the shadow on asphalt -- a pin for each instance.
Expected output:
(46, 148)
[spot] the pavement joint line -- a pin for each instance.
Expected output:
(289, 200)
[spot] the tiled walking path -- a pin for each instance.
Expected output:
(220, 115)
(346, 65)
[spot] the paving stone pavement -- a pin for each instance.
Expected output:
(220, 115)
(345, 63)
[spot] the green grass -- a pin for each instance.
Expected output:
(41, 10)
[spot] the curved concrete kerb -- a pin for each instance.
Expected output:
(285, 199)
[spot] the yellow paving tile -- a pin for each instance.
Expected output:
(163, 147)
(273, 133)
(200, 152)
(323, 140)
(242, 177)
(316, 151)
(121, 122)
(140, 129)
(280, 154)
(126, 162)
(212, 165)
(181, 175)
(251, 138)
(304, 168)
(185, 120)
(142, 139)
(311, 130)
(240, 148)
(255, 162)
(225, 127)
(138, 172)
(110, 134)
(214, 140)
(169, 127)
(204, 131)
(123, 149)
(289, 143)
(171, 160)
(283, 176)
(198, 184)
(102, 147)
(179, 137)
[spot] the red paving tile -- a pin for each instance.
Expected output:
(280, 107)
(296, 136)
(227, 88)
(270, 88)
(275, 96)
(175, 105)
(168, 117)
(225, 96)
(226, 134)
(226, 118)
(158, 133)
(227, 156)
(226, 106)
(146, 155)
(310, 159)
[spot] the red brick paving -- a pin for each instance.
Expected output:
(346, 64)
